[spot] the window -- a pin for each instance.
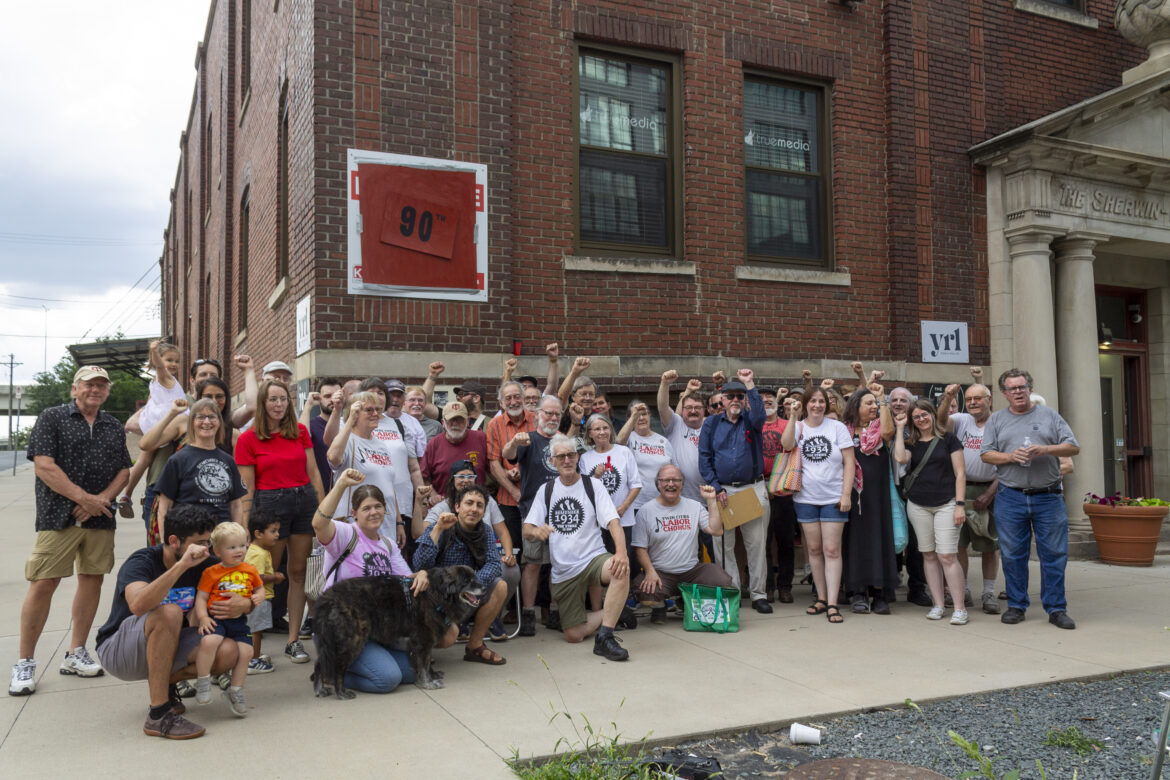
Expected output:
(187, 234)
(208, 167)
(627, 156)
(282, 187)
(786, 178)
(242, 288)
(245, 48)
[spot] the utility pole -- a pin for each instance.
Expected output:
(12, 364)
(15, 447)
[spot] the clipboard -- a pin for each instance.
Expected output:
(742, 507)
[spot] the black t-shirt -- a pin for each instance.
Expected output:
(146, 565)
(935, 485)
(209, 478)
(535, 469)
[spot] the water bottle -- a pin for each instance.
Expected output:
(1027, 443)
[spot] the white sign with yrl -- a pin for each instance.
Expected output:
(303, 326)
(944, 342)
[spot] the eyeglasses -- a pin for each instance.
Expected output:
(734, 396)
(206, 417)
(564, 456)
(669, 480)
(1018, 389)
(920, 417)
(464, 476)
(715, 406)
(371, 410)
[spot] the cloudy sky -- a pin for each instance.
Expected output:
(95, 96)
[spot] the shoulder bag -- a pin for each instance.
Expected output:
(787, 470)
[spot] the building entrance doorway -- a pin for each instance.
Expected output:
(1125, 391)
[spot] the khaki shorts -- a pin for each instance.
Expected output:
(54, 553)
(978, 532)
(570, 594)
(534, 552)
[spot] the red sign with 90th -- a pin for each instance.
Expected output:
(418, 226)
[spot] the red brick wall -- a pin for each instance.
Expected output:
(912, 85)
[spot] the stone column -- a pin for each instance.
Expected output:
(1033, 331)
(1079, 372)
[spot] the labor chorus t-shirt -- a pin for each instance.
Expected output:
(576, 538)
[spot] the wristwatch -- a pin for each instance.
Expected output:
(957, 503)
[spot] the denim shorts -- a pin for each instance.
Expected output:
(294, 507)
(813, 513)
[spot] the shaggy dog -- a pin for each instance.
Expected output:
(383, 610)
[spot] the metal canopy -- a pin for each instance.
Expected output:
(129, 355)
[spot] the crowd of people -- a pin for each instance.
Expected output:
(584, 510)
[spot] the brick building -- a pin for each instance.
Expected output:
(695, 185)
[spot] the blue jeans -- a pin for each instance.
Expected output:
(1017, 518)
(148, 495)
(378, 670)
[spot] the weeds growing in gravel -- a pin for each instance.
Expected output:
(1072, 738)
(985, 765)
(589, 754)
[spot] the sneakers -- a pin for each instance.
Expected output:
(79, 662)
(24, 674)
(554, 620)
(967, 600)
(959, 617)
(464, 632)
(203, 690)
(990, 604)
(628, 620)
(260, 666)
(224, 680)
(306, 631)
(609, 647)
(496, 631)
(176, 701)
(936, 613)
(527, 622)
(296, 652)
(235, 700)
(172, 725)
(184, 689)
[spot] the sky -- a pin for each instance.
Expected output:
(95, 97)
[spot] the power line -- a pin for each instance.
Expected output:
(134, 312)
(43, 239)
(66, 338)
(53, 300)
(153, 266)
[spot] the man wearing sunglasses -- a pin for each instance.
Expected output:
(1025, 443)
(731, 459)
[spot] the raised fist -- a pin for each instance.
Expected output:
(826, 384)
(581, 364)
(806, 374)
(314, 399)
(746, 375)
(350, 477)
(669, 376)
(522, 439)
(553, 350)
(436, 369)
(878, 391)
(179, 405)
(694, 386)
(718, 378)
(952, 390)
(707, 492)
(900, 420)
(576, 411)
(244, 362)
(338, 398)
(446, 520)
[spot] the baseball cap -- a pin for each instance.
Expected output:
(395, 386)
(471, 387)
(733, 385)
(461, 465)
(275, 365)
(454, 409)
(86, 373)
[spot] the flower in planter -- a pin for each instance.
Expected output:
(1119, 500)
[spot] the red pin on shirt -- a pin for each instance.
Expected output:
(608, 464)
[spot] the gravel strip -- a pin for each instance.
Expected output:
(1010, 725)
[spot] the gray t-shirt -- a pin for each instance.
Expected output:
(970, 435)
(650, 453)
(669, 534)
(1005, 432)
(685, 441)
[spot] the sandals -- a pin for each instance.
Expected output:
(125, 507)
(819, 607)
(833, 614)
(484, 655)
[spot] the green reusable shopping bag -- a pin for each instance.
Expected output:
(709, 609)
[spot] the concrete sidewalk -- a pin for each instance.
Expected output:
(778, 668)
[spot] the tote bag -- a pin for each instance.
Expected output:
(709, 609)
(787, 471)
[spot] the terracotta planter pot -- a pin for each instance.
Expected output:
(1127, 535)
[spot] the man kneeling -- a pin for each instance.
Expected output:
(147, 638)
(569, 512)
(666, 535)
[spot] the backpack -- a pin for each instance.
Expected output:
(548, 489)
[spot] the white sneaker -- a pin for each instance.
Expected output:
(959, 617)
(235, 700)
(936, 613)
(24, 674)
(78, 661)
(203, 690)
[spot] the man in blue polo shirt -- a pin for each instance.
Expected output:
(731, 459)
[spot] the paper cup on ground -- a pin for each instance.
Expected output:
(799, 734)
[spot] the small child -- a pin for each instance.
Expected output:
(229, 542)
(164, 391)
(265, 534)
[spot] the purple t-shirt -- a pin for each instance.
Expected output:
(369, 558)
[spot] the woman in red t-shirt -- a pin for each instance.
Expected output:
(276, 462)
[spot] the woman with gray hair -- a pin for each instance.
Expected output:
(615, 467)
